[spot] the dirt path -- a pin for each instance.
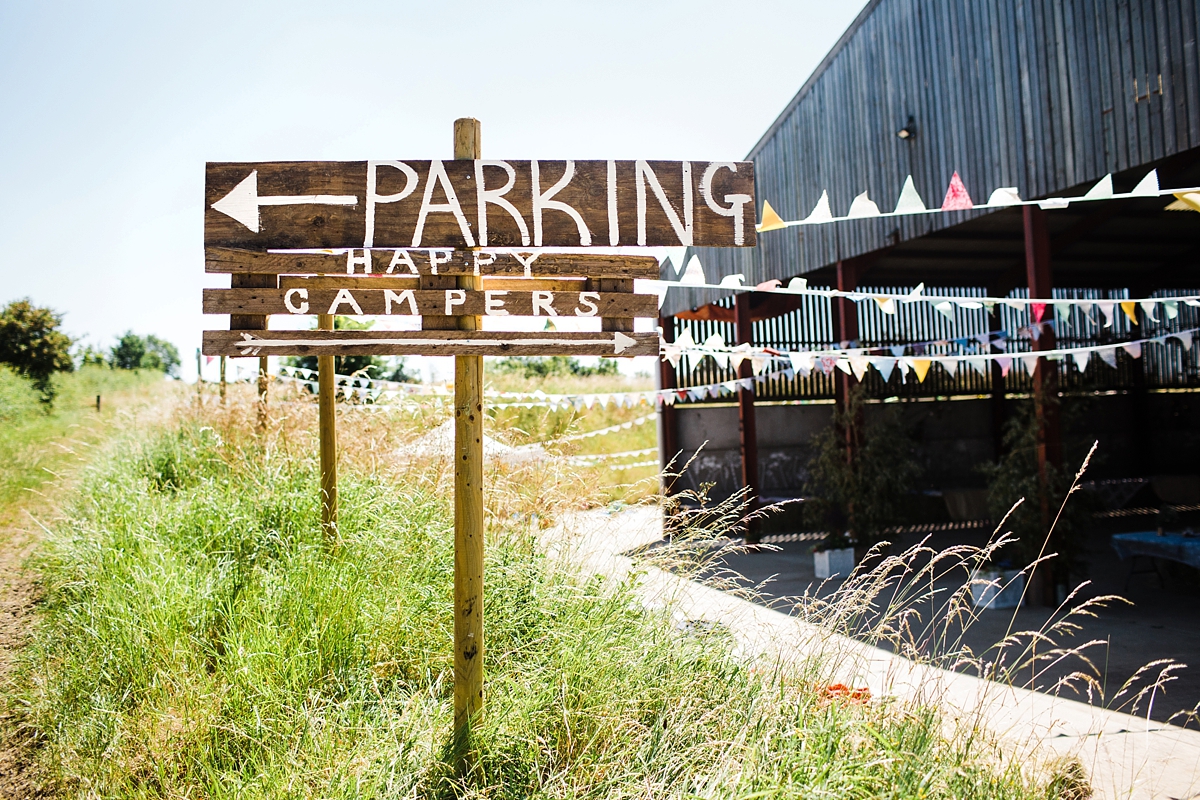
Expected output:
(19, 776)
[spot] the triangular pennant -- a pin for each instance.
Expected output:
(1005, 196)
(1185, 339)
(1147, 186)
(802, 362)
(1005, 363)
(946, 309)
(921, 367)
(950, 365)
(770, 220)
(884, 365)
(1039, 310)
(1133, 348)
(1029, 362)
(797, 285)
(909, 201)
(676, 256)
(1062, 311)
(1148, 309)
(859, 366)
(828, 364)
(1171, 307)
(957, 198)
(1185, 201)
(1102, 190)
(694, 274)
(886, 304)
(1108, 355)
(820, 212)
(843, 364)
(733, 281)
(980, 365)
(1081, 358)
(1130, 309)
(898, 350)
(862, 206)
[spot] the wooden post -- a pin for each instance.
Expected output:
(262, 395)
(747, 423)
(97, 404)
(468, 497)
(222, 380)
(327, 428)
(668, 428)
(1045, 383)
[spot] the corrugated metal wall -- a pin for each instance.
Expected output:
(1037, 94)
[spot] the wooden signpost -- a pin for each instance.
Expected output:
(452, 242)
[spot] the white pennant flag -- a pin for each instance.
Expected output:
(909, 202)
(1147, 186)
(1185, 339)
(862, 206)
(1081, 358)
(694, 274)
(1133, 348)
(1005, 363)
(1171, 307)
(820, 212)
(859, 365)
(1102, 190)
(1107, 308)
(1029, 362)
(884, 366)
(946, 309)
(1148, 309)
(950, 365)
(802, 362)
(1108, 355)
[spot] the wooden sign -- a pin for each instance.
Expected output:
(431, 261)
(469, 203)
(430, 343)
(357, 302)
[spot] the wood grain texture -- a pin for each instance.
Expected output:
(469, 518)
(448, 262)
(428, 342)
(327, 430)
(432, 303)
(436, 204)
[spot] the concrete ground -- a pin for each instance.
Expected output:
(1163, 621)
(1124, 756)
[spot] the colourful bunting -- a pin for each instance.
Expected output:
(957, 198)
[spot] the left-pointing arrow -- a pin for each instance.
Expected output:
(242, 202)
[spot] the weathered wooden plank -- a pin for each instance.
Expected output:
(398, 283)
(431, 343)
(470, 203)
(432, 262)
(430, 303)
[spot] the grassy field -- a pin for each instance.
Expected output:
(199, 640)
(35, 439)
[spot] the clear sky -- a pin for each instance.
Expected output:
(108, 112)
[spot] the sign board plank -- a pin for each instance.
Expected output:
(431, 343)
(444, 302)
(433, 261)
(478, 203)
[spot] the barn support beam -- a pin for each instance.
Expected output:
(845, 331)
(999, 412)
(747, 425)
(1045, 391)
(668, 424)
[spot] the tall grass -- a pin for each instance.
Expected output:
(199, 640)
(33, 435)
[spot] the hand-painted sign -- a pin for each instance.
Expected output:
(478, 203)
(429, 343)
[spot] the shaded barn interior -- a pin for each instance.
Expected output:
(1047, 97)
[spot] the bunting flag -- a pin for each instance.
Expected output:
(959, 199)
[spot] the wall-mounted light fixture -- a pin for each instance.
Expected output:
(909, 130)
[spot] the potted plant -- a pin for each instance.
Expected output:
(859, 478)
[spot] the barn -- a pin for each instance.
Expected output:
(1043, 98)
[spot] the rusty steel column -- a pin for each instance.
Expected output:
(747, 425)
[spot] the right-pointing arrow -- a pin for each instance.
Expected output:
(242, 202)
(621, 342)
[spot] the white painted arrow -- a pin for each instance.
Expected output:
(251, 345)
(242, 202)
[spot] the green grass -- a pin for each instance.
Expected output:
(198, 640)
(29, 430)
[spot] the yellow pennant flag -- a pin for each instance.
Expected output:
(921, 367)
(886, 304)
(1130, 309)
(1185, 201)
(770, 220)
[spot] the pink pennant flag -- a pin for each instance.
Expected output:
(1005, 365)
(957, 198)
(1039, 311)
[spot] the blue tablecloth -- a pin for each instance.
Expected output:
(1173, 546)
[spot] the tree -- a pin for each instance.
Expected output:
(554, 366)
(149, 352)
(369, 366)
(32, 344)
